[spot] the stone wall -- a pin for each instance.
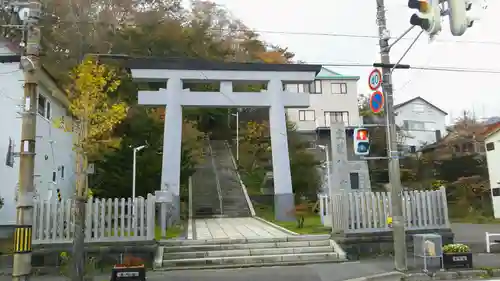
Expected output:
(46, 258)
(372, 244)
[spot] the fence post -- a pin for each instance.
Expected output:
(445, 206)
(150, 221)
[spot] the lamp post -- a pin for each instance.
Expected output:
(328, 171)
(134, 165)
(136, 149)
(237, 115)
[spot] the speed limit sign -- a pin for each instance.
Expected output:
(375, 79)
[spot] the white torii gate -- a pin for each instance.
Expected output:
(174, 97)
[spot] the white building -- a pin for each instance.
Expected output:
(332, 94)
(492, 145)
(54, 160)
(422, 122)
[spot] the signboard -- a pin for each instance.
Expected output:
(128, 274)
(375, 79)
(377, 101)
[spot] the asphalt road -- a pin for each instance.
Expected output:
(317, 272)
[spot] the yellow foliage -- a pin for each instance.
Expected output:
(90, 103)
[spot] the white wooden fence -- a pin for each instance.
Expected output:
(107, 220)
(356, 212)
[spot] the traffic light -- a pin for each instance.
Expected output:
(429, 16)
(59, 197)
(459, 21)
(361, 142)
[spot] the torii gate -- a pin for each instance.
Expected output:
(174, 97)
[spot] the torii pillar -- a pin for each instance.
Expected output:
(174, 97)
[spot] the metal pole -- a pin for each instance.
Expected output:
(392, 145)
(328, 169)
(237, 137)
(24, 211)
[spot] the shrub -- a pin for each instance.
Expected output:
(456, 248)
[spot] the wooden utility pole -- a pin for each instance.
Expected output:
(24, 217)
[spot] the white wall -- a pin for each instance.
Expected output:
(326, 101)
(493, 161)
(434, 119)
(10, 126)
(51, 142)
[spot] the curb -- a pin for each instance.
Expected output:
(276, 226)
(440, 275)
(382, 277)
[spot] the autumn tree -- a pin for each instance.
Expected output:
(96, 112)
(256, 158)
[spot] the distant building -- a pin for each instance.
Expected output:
(332, 95)
(422, 123)
(54, 160)
(492, 148)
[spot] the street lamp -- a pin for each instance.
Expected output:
(136, 149)
(328, 171)
(237, 115)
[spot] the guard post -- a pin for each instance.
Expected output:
(23, 239)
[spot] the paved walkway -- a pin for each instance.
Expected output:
(235, 228)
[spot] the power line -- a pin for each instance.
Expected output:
(299, 33)
(429, 68)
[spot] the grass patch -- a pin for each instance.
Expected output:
(173, 231)
(6, 246)
(312, 221)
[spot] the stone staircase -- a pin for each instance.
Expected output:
(234, 201)
(291, 250)
(206, 199)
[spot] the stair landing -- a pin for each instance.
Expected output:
(234, 228)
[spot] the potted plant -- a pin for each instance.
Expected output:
(457, 256)
(132, 268)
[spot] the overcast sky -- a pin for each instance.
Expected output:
(451, 91)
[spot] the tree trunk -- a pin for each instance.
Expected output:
(79, 240)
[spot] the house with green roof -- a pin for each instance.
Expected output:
(332, 95)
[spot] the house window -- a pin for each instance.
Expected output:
(496, 191)
(44, 107)
(307, 115)
(298, 88)
(430, 126)
(411, 125)
(490, 146)
(339, 88)
(316, 87)
(42, 101)
(336, 116)
(354, 177)
(418, 108)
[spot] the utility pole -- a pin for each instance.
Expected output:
(24, 216)
(399, 234)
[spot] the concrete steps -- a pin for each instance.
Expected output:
(189, 254)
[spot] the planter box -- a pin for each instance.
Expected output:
(133, 273)
(457, 260)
